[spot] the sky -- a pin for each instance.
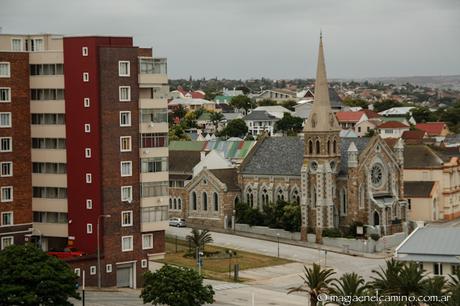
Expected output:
(276, 39)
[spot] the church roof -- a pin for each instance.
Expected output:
(420, 157)
(276, 156)
(183, 161)
(228, 177)
(360, 143)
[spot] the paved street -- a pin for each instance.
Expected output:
(340, 262)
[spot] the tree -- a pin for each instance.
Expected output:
(176, 132)
(176, 286)
(315, 282)
(386, 104)
(31, 277)
(355, 102)
(349, 284)
(235, 128)
(216, 117)
(435, 286)
(289, 104)
(179, 112)
(267, 102)
(199, 238)
(423, 114)
(387, 279)
(242, 102)
(289, 124)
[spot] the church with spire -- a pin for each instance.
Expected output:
(339, 183)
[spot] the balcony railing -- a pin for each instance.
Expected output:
(153, 66)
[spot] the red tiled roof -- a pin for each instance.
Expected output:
(432, 128)
(391, 142)
(415, 134)
(349, 116)
(392, 125)
(197, 95)
(370, 114)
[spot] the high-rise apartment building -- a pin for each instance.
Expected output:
(83, 146)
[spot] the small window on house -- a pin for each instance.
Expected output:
(125, 93)
(123, 68)
(77, 271)
(6, 194)
(125, 143)
(89, 204)
(126, 243)
(89, 178)
(147, 241)
(87, 128)
(85, 77)
(84, 51)
(6, 144)
(126, 193)
(144, 263)
(92, 270)
(6, 169)
(7, 241)
(125, 118)
(86, 102)
(5, 120)
(4, 69)
(5, 94)
(108, 268)
(126, 168)
(89, 228)
(126, 218)
(87, 152)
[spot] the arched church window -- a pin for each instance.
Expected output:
(318, 147)
(194, 200)
(362, 197)
(295, 196)
(310, 147)
(205, 201)
(179, 203)
(170, 203)
(328, 147)
(215, 199)
(334, 146)
(264, 196)
(249, 197)
(175, 203)
(280, 195)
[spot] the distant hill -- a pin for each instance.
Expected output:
(449, 81)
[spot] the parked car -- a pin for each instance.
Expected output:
(178, 222)
(67, 252)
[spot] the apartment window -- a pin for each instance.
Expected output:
(89, 178)
(127, 218)
(49, 192)
(48, 119)
(85, 77)
(49, 168)
(47, 69)
(154, 140)
(125, 93)
(47, 94)
(5, 94)
(4, 70)
(77, 271)
(89, 204)
(125, 118)
(126, 243)
(48, 143)
(147, 241)
(89, 228)
(6, 194)
(154, 115)
(123, 68)
(108, 268)
(7, 241)
(6, 169)
(35, 44)
(154, 214)
(126, 193)
(87, 128)
(125, 144)
(87, 152)
(92, 270)
(144, 263)
(16, 44)
(156, 164)
(437, 268)
(84, 51)
(126, 168)
(154, 189)
(5, 120)
(86, 102)
(7, 218)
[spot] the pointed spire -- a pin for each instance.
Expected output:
(321, 117)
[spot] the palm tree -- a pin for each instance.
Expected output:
(412, 280)
(454, 279)
(199, 238)
(453, 287)
(215, 118)
(435, 286)
(315, 282)
(387, 279)
(349, 284)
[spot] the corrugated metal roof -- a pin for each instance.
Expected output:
(442, 241)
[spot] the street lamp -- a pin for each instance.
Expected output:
(99, 272)
(278, 236)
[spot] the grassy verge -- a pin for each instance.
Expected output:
(217, 267)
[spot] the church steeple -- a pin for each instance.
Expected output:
(321, 118)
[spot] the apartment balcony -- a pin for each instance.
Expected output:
(153, 103)
(53, 205)
(154, 226)
(153, 71)
(155, 176)
(49, 180)
(47, 81)
(47, 106)
(153, 127)
(46, 57)
(154, 201)
(153, 152)
(52, 229)
(50, 155)
(48, 130)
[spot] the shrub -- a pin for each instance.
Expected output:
(332, 232)
(375, 237)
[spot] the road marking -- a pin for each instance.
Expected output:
(227, 286)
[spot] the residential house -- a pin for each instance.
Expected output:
(434, 129)
(276, 94)
(260, 121)
(276, 110)
(414, 136)
(192, 104)
(348, 120)
(436, 249)
(392, 129)
(422, 198)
